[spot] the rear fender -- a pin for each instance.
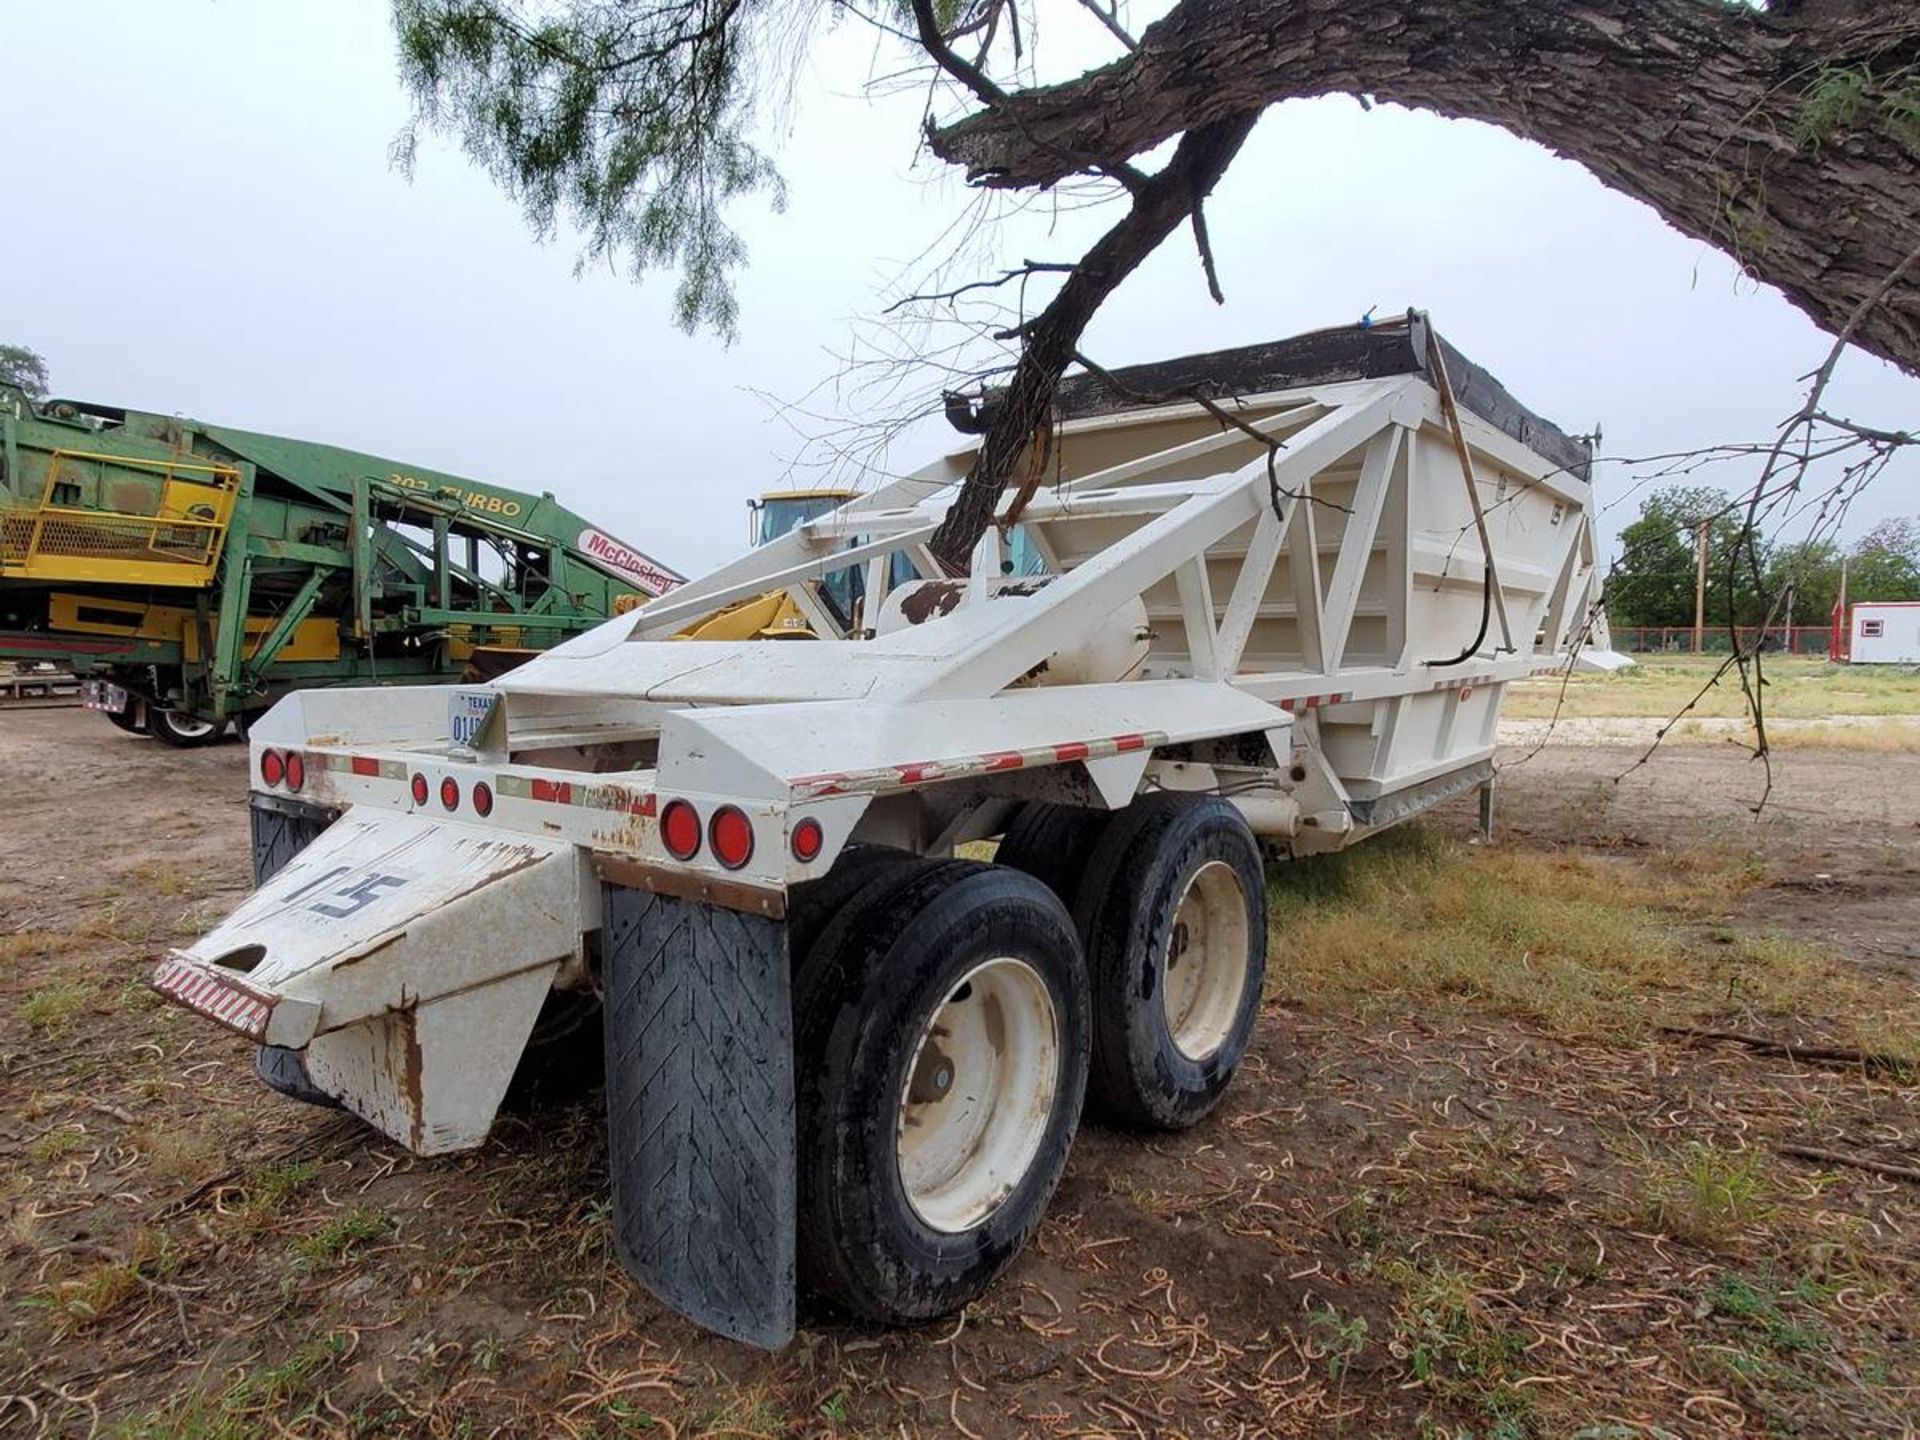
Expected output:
(407, 958)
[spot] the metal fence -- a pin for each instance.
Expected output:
(1678, 640)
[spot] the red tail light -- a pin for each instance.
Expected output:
(296, 770)
(272, 768)
(483, 799)
(450, 793)
(808, 838)
(731, 834)
(680, 830)
(420, 790)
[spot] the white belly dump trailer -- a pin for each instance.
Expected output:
(836, 1058)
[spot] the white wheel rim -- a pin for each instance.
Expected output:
(978, 1094)
(185, 725)
(1206, 963)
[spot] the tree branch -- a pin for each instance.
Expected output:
(967, 73)
(1160, 204)
(1111, 20)
(1205, 247)
(1704, 110)
(1026, 270)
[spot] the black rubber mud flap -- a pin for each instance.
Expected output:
(699, 1046)
(281, 830)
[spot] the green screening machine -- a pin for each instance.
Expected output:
(191, 574)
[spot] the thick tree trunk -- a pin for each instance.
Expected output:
(1720, 117)
(1160, 206)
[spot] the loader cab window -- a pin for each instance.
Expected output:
(776, 514)
(1023, 556)
(844, 591)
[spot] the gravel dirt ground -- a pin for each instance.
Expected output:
(1433, 1205)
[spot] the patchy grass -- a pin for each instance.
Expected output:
(1559, 939)
(1579, 944)
(1805, 992)
(102, 1290)
(55, 1144)
(53, 1007)
(276, 1396)
(178, 1155)
(745, 1411)
(1337, 1338)
(1455, 1347)
(1705, 1192)
(1662, 686)
(271, 1191)
(172, 879)
(32, 944)
(335, 1240)
(1892, 735)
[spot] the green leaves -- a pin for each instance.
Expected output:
(628, 120)
(23, 369)
(1844, 98)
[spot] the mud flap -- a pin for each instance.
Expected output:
(281, 830)
(699, 1045)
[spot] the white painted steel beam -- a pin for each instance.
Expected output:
(1071, 605)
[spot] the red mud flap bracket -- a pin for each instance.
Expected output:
(699, 1056)
(263, 1019)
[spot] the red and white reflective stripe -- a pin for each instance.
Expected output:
(567, 792)
(369, 767)
(925, 772)
(210, 995)
(1313, 702)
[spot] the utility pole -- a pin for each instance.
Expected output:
(1700, 587)
(1841, 640)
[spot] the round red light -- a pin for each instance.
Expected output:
(272, 768)
(420, 790)
(731, 835)
(680, 830)
(296, 770)
(483, 799)
(808, 838)
(450, 793)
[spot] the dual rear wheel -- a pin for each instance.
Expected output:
(943, 1022)
(951, 1016)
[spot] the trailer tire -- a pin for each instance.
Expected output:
(182, 731)
(897, 1232)
(1052, 843)
(814, 904)
(1173, 878)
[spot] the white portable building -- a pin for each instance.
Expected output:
(1885, 632)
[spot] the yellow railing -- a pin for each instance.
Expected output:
(178, 543)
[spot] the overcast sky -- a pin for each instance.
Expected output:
(200, 217)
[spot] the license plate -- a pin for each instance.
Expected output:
(467, 714)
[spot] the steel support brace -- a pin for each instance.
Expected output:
(699, 1032)
(297, 610)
